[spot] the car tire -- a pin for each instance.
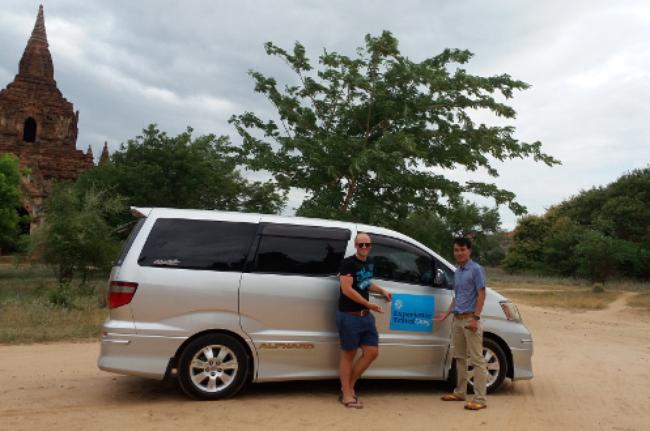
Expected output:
(212, 367)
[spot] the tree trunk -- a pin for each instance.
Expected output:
(352, 187)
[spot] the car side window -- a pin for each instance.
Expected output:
(129, 241)
(198, 244)
(402, 262)
(449, 276)
(300, 250)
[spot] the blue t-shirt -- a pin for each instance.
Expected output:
(468, 279)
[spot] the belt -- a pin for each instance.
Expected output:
(463, 315)
(359, 313)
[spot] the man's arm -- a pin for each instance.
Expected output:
(374, 288)
(347, 290)
(443, 316)
(480, 301)
(479, 285)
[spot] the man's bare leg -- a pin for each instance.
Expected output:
(368, 355)
(345, 373)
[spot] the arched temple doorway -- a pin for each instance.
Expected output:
(29, 130)
(24, 225)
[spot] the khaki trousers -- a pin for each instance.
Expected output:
(469, 344)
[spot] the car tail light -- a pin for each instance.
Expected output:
(120, 293)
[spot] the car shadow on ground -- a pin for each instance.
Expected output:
(331, 388)
(128, 389)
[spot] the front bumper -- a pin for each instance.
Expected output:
(522, 360)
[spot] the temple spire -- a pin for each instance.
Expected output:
(38, 33)
(36, 61)
(105, 157)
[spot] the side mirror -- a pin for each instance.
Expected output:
(440, 280)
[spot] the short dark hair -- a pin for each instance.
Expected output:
(463, 242)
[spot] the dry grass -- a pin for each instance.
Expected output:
(501, 280)
(642, 300)
(571, 293)
(573, 299)
(39, 321)
(27, 315)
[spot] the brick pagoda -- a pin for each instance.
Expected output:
(39, 125)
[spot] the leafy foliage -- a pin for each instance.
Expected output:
(76, 237)
(466, 219)
(182, 171)
(61, 295)
(368, 137)
(598, 256)
(9, 200)
(597, 234)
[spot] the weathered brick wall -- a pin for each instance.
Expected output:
(34, 94)
(54, 150)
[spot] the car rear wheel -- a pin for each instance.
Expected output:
(212, 367)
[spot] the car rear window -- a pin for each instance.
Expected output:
(198, 244)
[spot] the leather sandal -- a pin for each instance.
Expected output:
(452, 397)
(475, 405)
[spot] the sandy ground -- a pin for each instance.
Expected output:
(592, 372)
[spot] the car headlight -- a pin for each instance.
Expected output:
(510, 310)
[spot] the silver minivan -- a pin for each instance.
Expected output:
(220, 299)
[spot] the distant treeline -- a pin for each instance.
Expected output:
(599, 233)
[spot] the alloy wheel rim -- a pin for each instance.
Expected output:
(213, 368)
(493, 368)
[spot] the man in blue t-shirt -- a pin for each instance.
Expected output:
(467, 331)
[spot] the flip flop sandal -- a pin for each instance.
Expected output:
(352, 404)
(473, 405)
(356, 398)
(452, 397)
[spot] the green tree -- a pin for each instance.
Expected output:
(490, 249)
(181, 171)
(75, 238)
(599, 256)
(368, 138)
(9, 200)
(466, 219)
(527, 249)
(597, 233)
(557, 255)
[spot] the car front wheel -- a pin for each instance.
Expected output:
(497, 365)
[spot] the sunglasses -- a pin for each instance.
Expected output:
(364, 245)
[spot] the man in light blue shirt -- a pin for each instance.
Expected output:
(467, 331)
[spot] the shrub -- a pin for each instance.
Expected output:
(76, 238)
(61, 295)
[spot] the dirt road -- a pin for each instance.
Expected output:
(592, 373)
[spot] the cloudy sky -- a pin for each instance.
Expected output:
(127, 63)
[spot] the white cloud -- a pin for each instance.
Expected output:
(125, 64)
